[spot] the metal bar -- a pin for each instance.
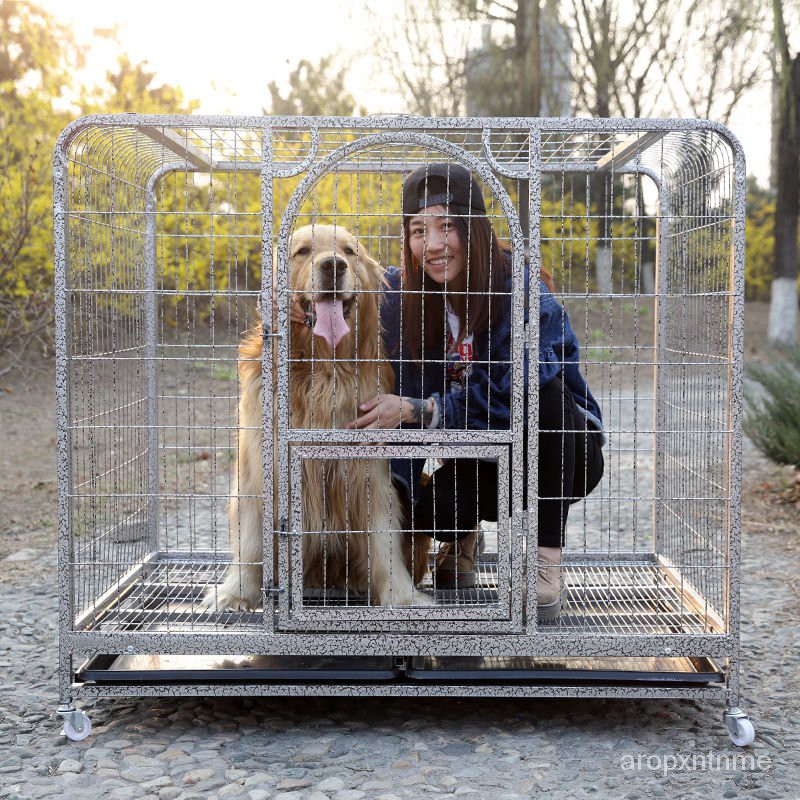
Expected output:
(390, 435)
(63, 412)
(179, 145)
(150, 351)
(543, 644)
(532, 355)
(624, 152)
(660, 343)
(734, 414)
(395, 690)
(267, 380)
(392, 122)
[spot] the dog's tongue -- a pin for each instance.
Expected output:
(331, 324)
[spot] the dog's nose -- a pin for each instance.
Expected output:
(334, 262)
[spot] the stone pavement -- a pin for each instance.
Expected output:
(346, 749)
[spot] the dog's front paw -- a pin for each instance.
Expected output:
(422, 599)
(215, 600)
(413, 598)
(222, 601)
(241, 591)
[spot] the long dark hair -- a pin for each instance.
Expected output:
(475, 304)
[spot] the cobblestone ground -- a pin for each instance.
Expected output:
(347, 749)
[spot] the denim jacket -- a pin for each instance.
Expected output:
(485, 403)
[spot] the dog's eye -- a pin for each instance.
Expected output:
(302, 251)
(348, 251)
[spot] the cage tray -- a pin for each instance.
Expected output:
(189, 669)
(506, 669)
(123, 669)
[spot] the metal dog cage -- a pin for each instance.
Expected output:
(171, 233)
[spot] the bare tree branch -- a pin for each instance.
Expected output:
(428, 64)
(779, 27)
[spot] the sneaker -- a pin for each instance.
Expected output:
(454, 567)
(548, 586)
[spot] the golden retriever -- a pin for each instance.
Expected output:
(339, 286)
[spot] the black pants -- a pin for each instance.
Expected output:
(464, 491)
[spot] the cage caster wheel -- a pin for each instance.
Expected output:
(77, 726)
(740, 729)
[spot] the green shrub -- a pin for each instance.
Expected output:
(772, 415)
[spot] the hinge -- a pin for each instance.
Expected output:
(266, 333)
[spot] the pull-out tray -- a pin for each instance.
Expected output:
(237, 669)
(564, 671)
(182, 669)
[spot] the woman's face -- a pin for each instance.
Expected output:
(435, 244)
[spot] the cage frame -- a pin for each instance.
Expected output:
(534, 641)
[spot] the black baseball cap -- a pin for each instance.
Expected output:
(442, 185)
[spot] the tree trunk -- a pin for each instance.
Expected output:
(520, 53)
(532, 63)
(527, 58)
(783, 306)
(529, 82)
(775, 115)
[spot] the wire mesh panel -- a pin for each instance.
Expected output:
(639, 251)
(358, 577)
(164, 264)
(237, 295)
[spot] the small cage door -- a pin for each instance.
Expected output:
(350, 558)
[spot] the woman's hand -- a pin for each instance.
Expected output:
(382, 411)
(389, 410)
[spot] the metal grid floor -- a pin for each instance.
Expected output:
(484, 592)
(600, 597)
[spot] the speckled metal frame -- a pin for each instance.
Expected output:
(535, 640)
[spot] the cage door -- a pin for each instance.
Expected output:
(353, 558)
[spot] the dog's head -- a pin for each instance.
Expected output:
(336, 281)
